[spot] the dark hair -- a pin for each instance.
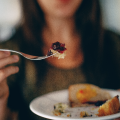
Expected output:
(33, 19)
(88, 24)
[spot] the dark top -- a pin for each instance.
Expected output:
(36, 78)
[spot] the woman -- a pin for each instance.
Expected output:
(93, 54)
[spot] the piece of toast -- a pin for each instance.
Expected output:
(110, 107)
(86, 95)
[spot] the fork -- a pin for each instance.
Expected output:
(30, 57)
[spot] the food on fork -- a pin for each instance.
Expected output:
(87, 95)
(110, 107)
(59, 49)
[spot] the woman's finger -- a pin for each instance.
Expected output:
(117, 119)
(4, 54)
(9, 60)
(4, 90)
(5, 72)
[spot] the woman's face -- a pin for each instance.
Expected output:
(59, 8)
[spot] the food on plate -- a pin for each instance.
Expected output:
(110, 107)
(59, 49)
(59, 108)
(87, 95)
(87, 100)
(84, 114)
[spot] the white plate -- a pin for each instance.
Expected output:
(44, 105)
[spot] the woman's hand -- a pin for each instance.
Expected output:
(5, 71)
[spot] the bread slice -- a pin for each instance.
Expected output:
(86, 95)
(110, 107)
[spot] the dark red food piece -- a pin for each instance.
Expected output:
(60, 47)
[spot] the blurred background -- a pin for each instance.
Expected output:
(11, 16)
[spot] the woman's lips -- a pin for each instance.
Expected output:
(64, 1)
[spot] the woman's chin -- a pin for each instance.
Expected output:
(61, 14)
